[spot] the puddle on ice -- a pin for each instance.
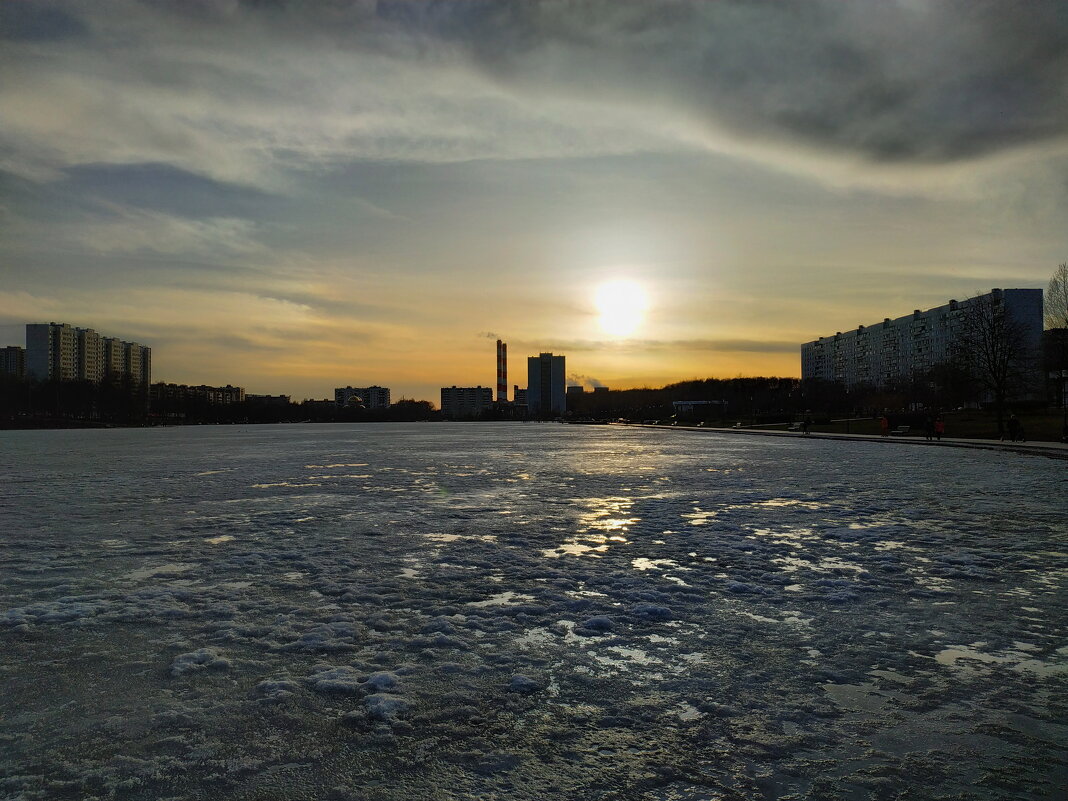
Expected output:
(409, 573)
(220, 539)
(502, 599)
(655, 564)
(969, 658)
(775, 502)
(295, 575)
(535, 638)
(283, 484)
(443, 537)
(170, 569)
(575, 548)
(688, 712)
(857, 697)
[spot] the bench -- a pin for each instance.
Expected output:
(900, 431)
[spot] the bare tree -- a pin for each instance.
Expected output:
(1056, 307)
(994, 349)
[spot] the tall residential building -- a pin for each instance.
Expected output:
(519, 396)
(57, 351)
(911, 345)
(90, 355)
(372, 397)
(51, 352)
(546, 385)
(458, 403)
(13, 361)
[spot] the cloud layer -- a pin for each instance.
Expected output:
(376, 180)
(245, 91)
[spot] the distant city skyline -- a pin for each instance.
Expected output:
(296, 197)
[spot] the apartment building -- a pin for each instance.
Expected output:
(911, 345)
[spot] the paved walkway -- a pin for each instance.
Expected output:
(1055, 450)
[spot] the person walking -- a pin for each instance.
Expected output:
(939, 427)
(1014, 427)
(928, 428)
(884, 426)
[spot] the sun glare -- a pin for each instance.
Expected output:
(622, 306)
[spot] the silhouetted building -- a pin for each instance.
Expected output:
(13, 361)
(575, 389)
(369, 397)
(60, 352)
(911, 345)
(519, 396)
(458, 403)
(269, 400)
(546, 385)
(165, 395)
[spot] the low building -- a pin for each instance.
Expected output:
(519, 396)
(459, 403)
(166, 394)
(269, 400)
(13, 361)
(368, 397)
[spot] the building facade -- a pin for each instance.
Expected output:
(458, 403)
(908, 346)
(61, 352)
(546, 385)
(371, 397)
(164, 395)
(13, 361)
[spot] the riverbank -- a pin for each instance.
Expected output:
(1054, 450)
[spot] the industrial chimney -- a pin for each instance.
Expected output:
(502, 372)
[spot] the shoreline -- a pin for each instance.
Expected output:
(1052, 450)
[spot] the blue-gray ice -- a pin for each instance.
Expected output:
(527, 611)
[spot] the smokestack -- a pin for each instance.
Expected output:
(502, 372)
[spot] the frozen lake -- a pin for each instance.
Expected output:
(527, 611)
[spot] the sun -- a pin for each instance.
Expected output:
(622, 306)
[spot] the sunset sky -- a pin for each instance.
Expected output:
(296, 196)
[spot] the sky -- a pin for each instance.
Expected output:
(294, 196)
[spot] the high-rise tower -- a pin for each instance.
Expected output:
(545, 385)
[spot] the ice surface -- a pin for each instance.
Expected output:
(522, 611)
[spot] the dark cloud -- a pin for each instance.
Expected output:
(164, 188)
(890, 81)
(37, 20)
